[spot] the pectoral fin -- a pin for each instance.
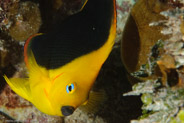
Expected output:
(20, 86)
(95, 101)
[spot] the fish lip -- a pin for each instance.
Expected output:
(67, 110)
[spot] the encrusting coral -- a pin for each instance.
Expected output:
(162, 88)
(26, 21)
(138, 36)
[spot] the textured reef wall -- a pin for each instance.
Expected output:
(159, 65)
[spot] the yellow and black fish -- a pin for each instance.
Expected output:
(64, 63)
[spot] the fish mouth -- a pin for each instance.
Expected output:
(67, 110)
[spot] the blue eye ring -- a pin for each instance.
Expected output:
(70, 88)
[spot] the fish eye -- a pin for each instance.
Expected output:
(70, 88)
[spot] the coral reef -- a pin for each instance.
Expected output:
(138, 36)
(5, 7)
(160, 105)
(161, 76)
(26, 21)
(123, 9)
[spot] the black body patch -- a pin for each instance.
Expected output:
(78, 35)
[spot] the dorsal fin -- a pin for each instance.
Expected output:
(27, 49)
(83, 5)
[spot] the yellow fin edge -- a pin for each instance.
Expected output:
(20, 86)
(83, 5)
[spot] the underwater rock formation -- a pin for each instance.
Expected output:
(26, 21)
(5, 8)
(139, 36)
(162, 86)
